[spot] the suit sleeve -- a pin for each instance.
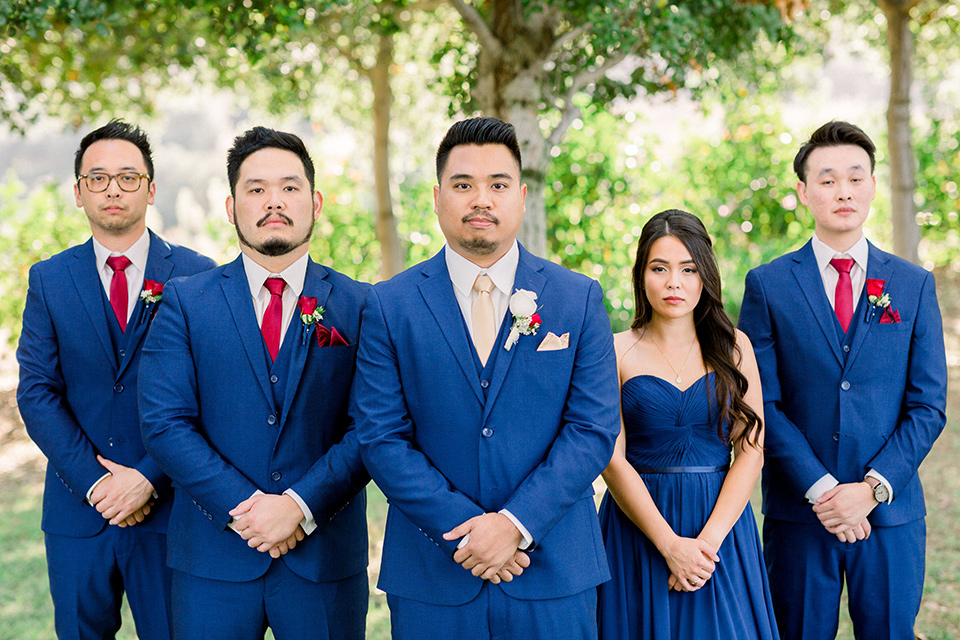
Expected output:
(924, 404)
(785, 446)
(386, 435)
(591, 423)
(170, 416)
(41, 397)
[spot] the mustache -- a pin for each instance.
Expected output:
(283, 217)
(481, 214)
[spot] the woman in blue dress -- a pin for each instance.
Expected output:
(681, 539)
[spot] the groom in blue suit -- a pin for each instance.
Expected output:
(849, 341)
(486, 404)
(105, 501)
(246, 377)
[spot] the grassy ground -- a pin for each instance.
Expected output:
(26, 612)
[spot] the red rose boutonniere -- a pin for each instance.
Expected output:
(879, 298)
(310, 314)
(151, 294)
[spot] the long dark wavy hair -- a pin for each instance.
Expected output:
(715, 332)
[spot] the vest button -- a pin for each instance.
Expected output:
(836, 437)
(118, 388)
(486, 432)
(845, 385)
(271, 419)
(484, 383)
(846, 348)
(122, 353)
(274, 378)
(275, 476)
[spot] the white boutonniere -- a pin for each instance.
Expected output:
(526, 320)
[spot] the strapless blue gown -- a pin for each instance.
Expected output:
(668, 428)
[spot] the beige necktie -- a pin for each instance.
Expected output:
(483, 321)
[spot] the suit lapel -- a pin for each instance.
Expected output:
(437, 292)
(811, 284)
(530, 278)
(159, 268)
(236, 290)
(316, 286)
(83, 270)
(878, 268)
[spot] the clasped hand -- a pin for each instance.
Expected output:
(269, 523)
(691, 561)
(125, 497)
(492, 551)
(843, 511)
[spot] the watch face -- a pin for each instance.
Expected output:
(880, 493)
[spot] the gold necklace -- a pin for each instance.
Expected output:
(668, 361)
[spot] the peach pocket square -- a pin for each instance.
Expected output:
(553, 342)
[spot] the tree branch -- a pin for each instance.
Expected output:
(476, 24)
(570, 111)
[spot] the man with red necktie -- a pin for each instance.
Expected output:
(849, 341)
(106, 503)
(247, 375)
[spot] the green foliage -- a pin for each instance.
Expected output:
(938, 194)
(33, 227)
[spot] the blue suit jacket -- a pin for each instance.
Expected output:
(879, 405)
(442, 453)
(209, 418)
(77, 397)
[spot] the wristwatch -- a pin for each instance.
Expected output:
(880, 492)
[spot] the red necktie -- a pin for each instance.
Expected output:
(118, 289)
(270, 327)
(843, 296)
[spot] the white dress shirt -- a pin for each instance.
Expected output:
(463, 274)
(858, 276)
(294, 276)
(137, 255)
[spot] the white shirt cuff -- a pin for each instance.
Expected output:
(233, 521)
(873, 473)
(308, 524)
(102, 478)
(527, 538)
(820, 487)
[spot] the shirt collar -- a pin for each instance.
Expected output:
(824, 254)
(136, 253)
(293, 275)
(463, 273)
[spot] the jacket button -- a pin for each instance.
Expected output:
(484, 383)
(271, 419)
(276, 475)
(486, 432)
(118, 388)
(274, 378)
(845, 385)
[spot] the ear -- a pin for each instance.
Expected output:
(76, 194)
(436, 199)
(523, 197)
(151, 192)
(229, 204)
(317, 205)
(802, 193)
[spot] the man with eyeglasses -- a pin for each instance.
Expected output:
(106, 503)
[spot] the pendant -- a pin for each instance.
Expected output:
(678, 379)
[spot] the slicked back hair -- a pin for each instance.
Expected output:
(834, 134)
(479, 131)
(116, 130)
(260, 138)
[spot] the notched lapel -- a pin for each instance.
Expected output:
(315, 285)
(237, 293)
(437, 292)
(528, 277)
(811, 284)
(83, 270)
(878, 268)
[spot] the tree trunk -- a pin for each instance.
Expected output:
(392, 254)
(906, 233)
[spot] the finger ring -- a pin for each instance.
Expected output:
(695, 581)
